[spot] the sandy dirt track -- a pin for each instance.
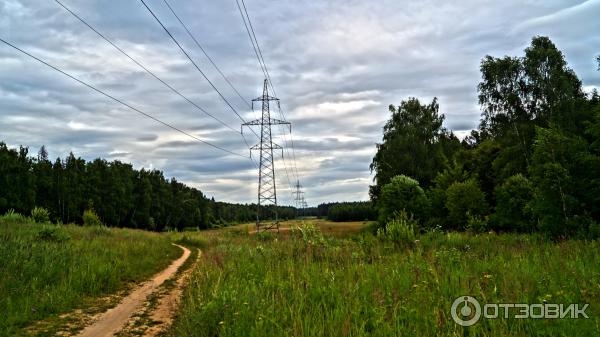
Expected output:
(112, 321)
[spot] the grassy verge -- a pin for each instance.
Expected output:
(47, 269)
(307, 285)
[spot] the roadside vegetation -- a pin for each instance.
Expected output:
(392, 283)
(49, 269)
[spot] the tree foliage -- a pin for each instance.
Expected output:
(414, 144)
(119, 195)
(352, 211)
(463, 200)
(403, 193)
(513, 209)
(533, 163)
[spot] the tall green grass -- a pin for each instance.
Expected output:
(47, 269)
(366, 286)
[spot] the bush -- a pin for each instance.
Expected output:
(464, 199)
(437, 193)
(310, 234)
(512, 205)
(14, 217)
(477, 224)
(53, 234)
(90, 218)
(400, 230)
(40, 215)
(403, 194)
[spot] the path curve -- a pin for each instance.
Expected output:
(113, 320)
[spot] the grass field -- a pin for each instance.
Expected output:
(330, 279)
(303, 284)
(47, 269)
(327, 227)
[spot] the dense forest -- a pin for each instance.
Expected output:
(532, 165)
(120, 195)
(344, 211)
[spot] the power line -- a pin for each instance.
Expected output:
(258, 52)
(118, 100)
(194, 63)
(252, 41)
(263, 67)
(258, 47)
(266, 70)
(267, 189)
(143, 67)
(206, 54)
(152, 74)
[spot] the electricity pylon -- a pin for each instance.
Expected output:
(267, 190)
(304, 205)
(298, 196)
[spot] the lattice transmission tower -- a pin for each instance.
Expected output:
(298, 197)
(267, 189)
(304, 206)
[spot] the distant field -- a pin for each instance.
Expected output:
(304, 284)
(47, 269)
(327, 227)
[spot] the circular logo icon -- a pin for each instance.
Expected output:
(466, 311)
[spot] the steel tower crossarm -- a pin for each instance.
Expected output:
(267, 189)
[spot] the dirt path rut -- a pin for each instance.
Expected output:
(113, 320)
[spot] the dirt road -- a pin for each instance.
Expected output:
(112, 321)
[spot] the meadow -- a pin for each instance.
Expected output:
(316, 278)
(47, 269)
(307, 282)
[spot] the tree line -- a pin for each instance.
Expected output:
(119, 194)
(344, 211)
(533, 164)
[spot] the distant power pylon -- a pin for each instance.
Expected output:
(304, 205)
(267, 190)
(299, 198)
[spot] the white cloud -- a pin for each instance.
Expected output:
(336, 65)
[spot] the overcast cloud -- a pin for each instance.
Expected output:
(336, 66)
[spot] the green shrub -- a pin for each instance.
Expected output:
(477, 224)
(512, 205)
(53, 234)
(40, 215)
(403, 194)
(400, 230)
(464, 199)
(90, 218)
(309, 233)
(99, 231)
(437, 193)
(263, 235)
(14, 217)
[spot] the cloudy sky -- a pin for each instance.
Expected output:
(336, 66)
